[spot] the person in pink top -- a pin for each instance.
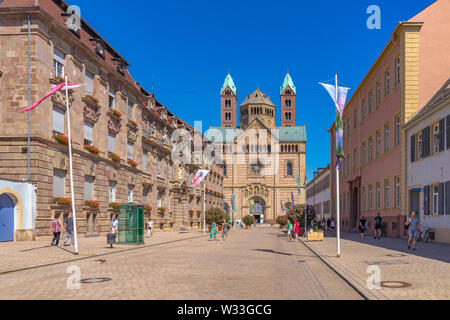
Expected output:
(296, 229)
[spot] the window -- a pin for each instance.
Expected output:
(387, 80)
(159, 166)
(363, 110)
(378, 144)
(159, 203)
(145, 192)
(370, 149)
(112, 97)
(397, 71)
(397, 192)
(58, 63)
(370, 197)
(88, 128)
(88, 188)
(355, 159)
(130, 151)
(289, 169)
(386, 194)
(435, 191)
(378, 93)
(144, 160)
(378, 196)
(436, 138)
(59, 183)
(355, 119)
(386, 138)
(89, 82)
(363, 200)
(58, 120)
(111, 142)
(363, 154)
(130, 193)
(130, 111)
(112, 191)
(370, 101)
(419, 146)
(397, 131)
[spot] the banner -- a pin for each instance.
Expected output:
(233, 203)
(199, 177)
(282, 209)
(293, 201)
(342, 93)
(252, 204)
(298, 183)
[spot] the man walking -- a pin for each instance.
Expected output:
(413, 225)
(150, 229)
(328, 224)
(68, 223)
(378, 224)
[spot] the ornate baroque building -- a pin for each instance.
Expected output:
(121, 134)
(261, 160)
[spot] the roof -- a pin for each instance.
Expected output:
(227, 135)
(288, 83)
(257, 97)
(229, 83)
(440, 95)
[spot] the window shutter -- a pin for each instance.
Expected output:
(413, 148)
(426, 200)
(59, 183)
(89, 82)
(58, 120)
(442, 135)
(144, 161)
(88, 131)
(441, 198)
(447, 198)
(448, 132)
(426, 142)
(88, 188)
(111, 139)
(130, 151)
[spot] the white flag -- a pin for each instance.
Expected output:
(201, 174)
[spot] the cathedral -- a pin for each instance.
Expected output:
(262, 161)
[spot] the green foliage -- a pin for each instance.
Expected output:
(216, 215)
(282, 220)
(297, 212)
(248, 220)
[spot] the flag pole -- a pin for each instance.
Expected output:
(204, 207)
(338, 222)
(75, 235)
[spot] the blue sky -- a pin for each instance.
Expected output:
(185, 48)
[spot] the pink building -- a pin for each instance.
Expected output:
(409, 70)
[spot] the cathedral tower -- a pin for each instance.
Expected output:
(228, 103)
(288, 94)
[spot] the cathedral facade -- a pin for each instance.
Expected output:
(264, 163)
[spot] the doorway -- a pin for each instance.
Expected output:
(258, 210)
(7, 207)
(355, 209)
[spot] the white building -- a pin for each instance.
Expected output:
(428, 167)
(318, 193)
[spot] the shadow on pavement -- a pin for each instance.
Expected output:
(272, 251)
(430, 250)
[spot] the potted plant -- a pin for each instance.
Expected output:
(92, 204)
(94, 99)
(62, 201)
(132, 163)
(92, 149)
(249, 221)
(282, 221)
(114, 205)
(147, 209)
(114, 157)
(62, 139)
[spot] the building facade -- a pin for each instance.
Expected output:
(318, 193)
(121, 134)
(261, 160)
(409, 70)
(428, 164)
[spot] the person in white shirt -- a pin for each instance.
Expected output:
(150, 228)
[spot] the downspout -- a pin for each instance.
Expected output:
(29, 100)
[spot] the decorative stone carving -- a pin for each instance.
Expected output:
(60, 161)
(114, 125)
(132, 134)
(91, 114)
(59, 99)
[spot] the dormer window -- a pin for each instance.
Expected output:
(120, 69)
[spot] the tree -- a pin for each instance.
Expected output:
(216, 215)
(297, 212)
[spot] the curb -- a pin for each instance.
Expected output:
(345, 275)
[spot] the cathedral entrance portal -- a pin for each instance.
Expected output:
(258, 210)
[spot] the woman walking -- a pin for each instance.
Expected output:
(213, 233)
(296, 229)
(56, 229)
(362, 227)
(289, 230)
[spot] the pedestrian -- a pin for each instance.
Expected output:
(150, 228)
(296, 229)
(328, 224)
(378, 224)
(68, 223)
(226, 228)
(413, 225)
(322, 224)
(289, 230)
(362, 227)
(115, 226)
(56, 227)
(213, 233)
(332, 224)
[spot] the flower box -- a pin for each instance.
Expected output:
(148, 208)
(62, 201)
(92, 149)
(114, 157)
(199, 212)
(162, 210)
(57, 80)
(61, 139)
(132, 123)
(93, 99)
(114, 205)
(116, 113)
(92, 203)
(315, 236)
(191, 211)
(132, 163)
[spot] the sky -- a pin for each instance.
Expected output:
(184, 49)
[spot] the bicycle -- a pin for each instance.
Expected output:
(424, 234)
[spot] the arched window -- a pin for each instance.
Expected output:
(282, 149)
(269, 148)
(289, 148)
(289, 169)
(296, 149)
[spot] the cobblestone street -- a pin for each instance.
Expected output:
(254, 264)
